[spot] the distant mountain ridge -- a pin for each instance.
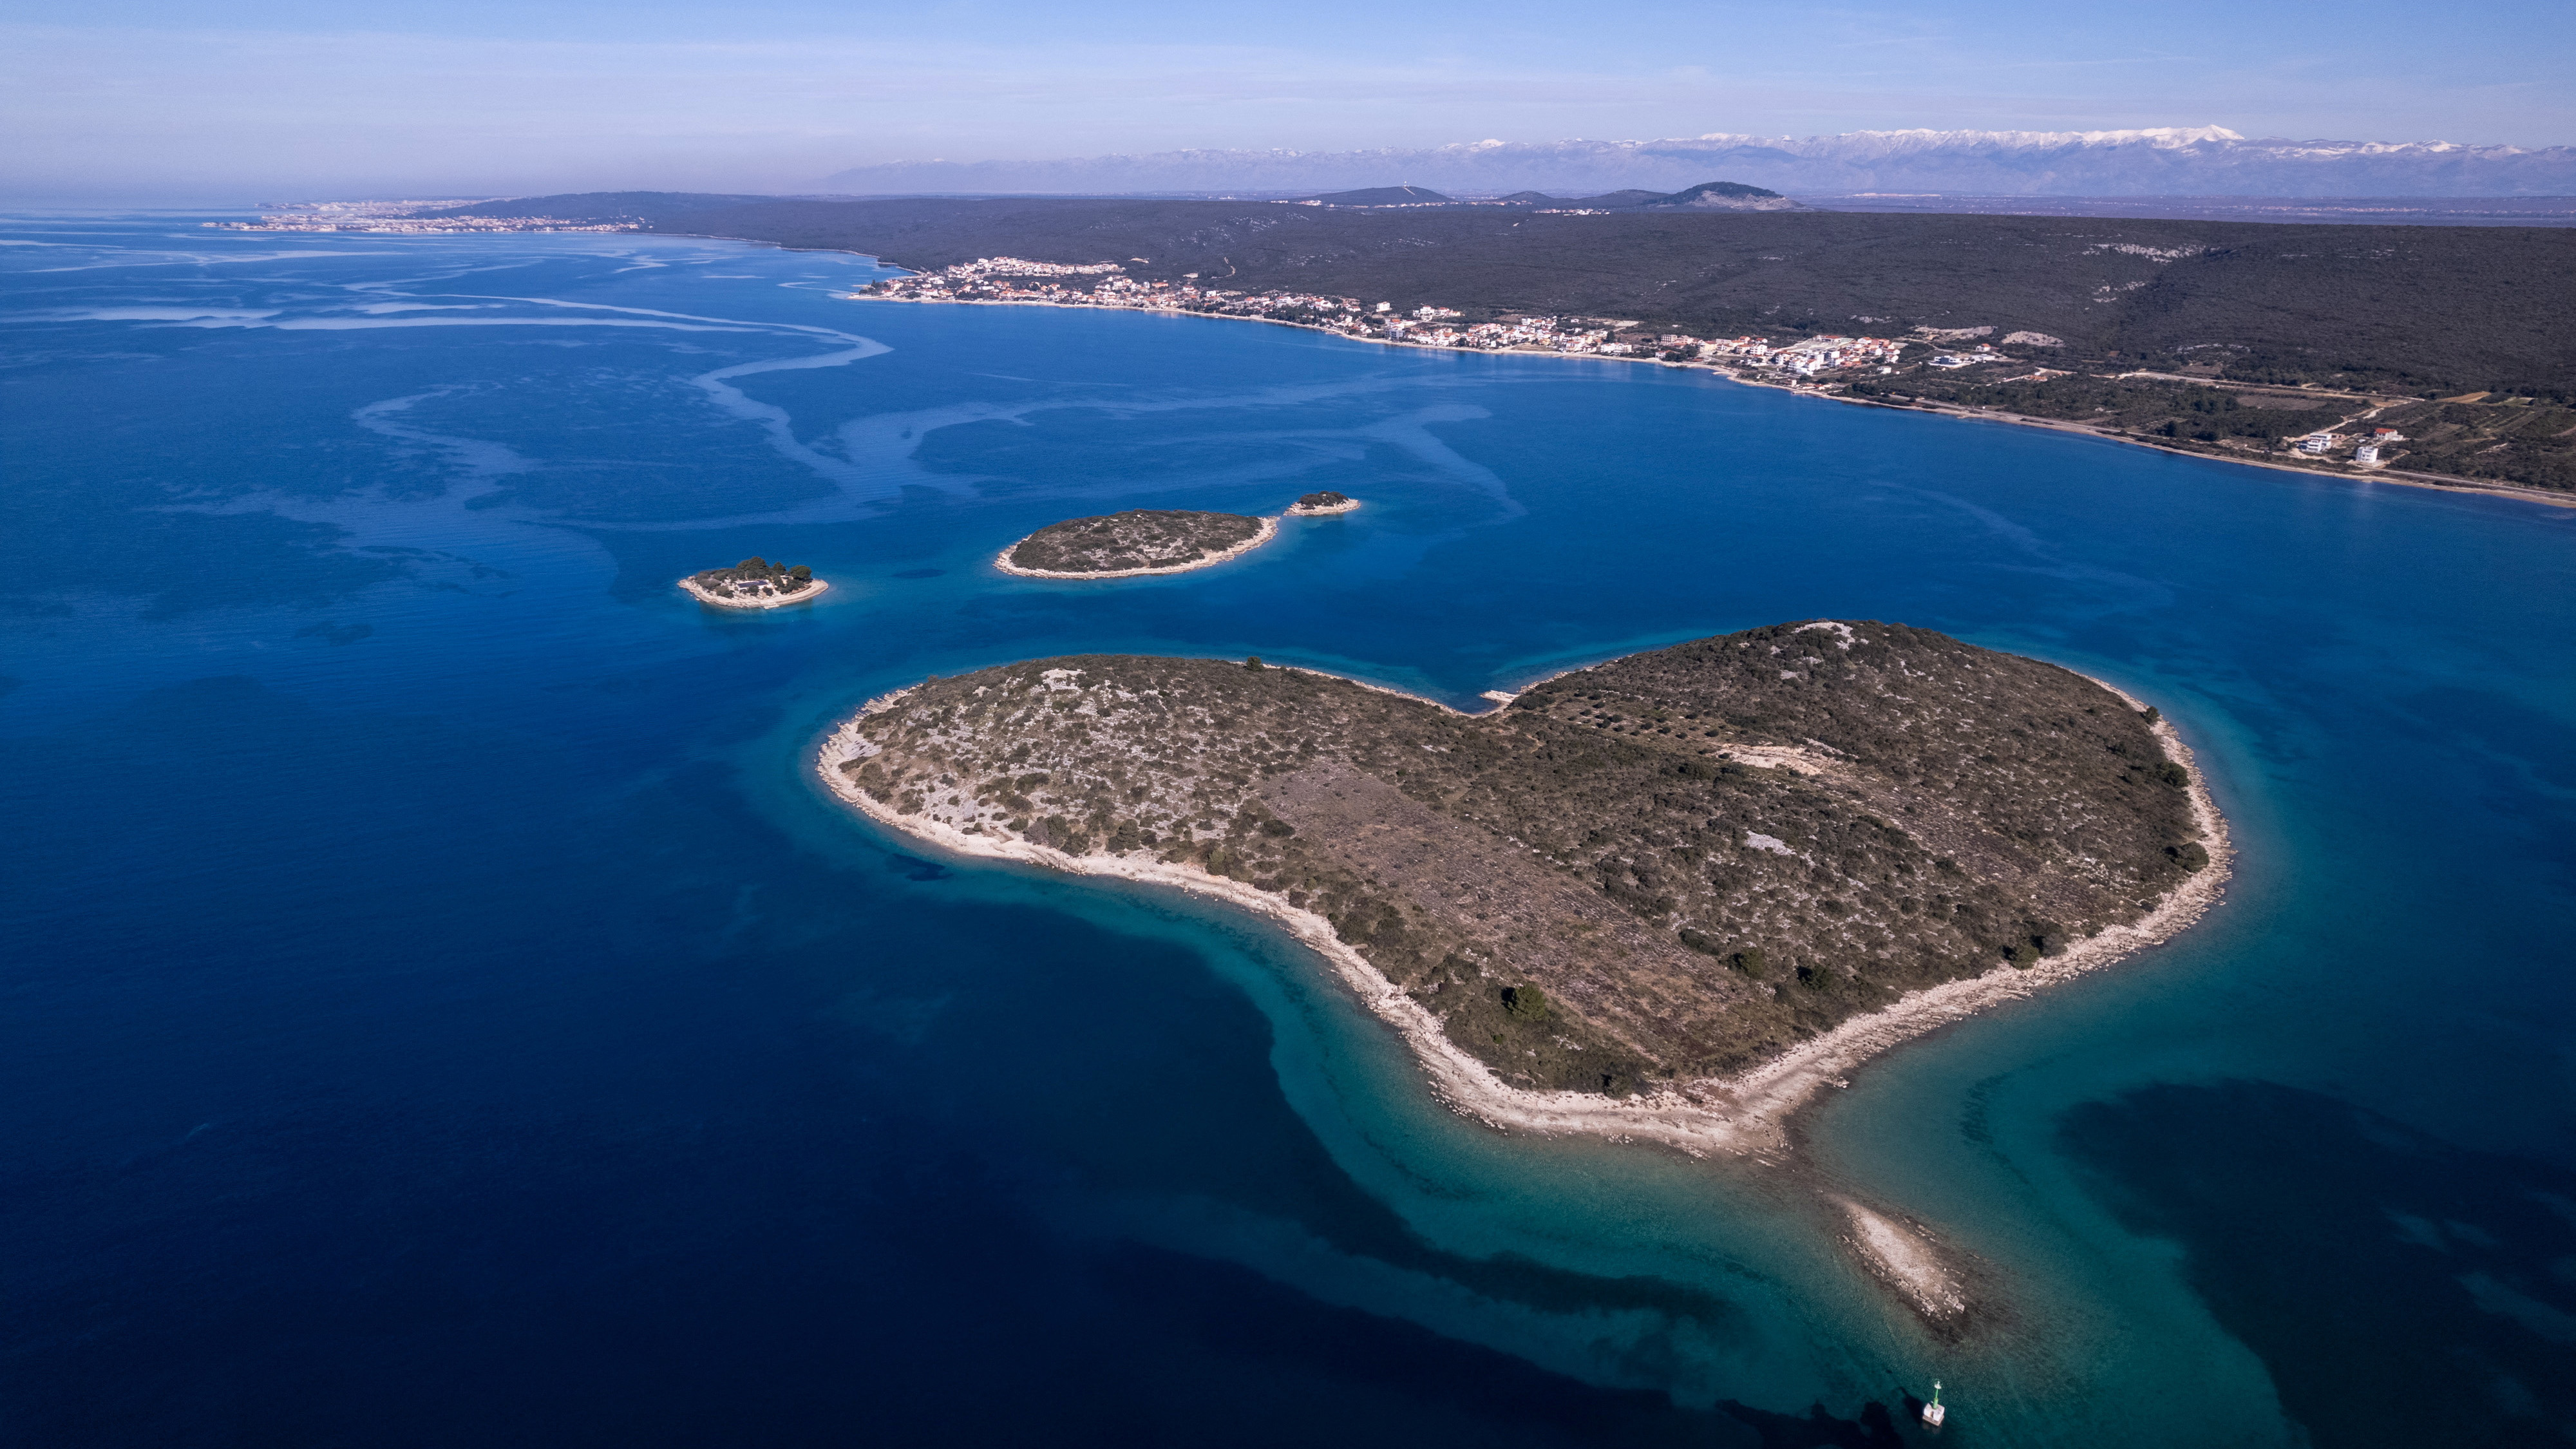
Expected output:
(2158, 161)
(1706, 196)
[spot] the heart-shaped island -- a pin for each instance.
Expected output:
(1664, 896)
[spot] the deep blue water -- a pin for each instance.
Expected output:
(439, 1010)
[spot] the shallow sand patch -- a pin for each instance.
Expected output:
(1905, 1259)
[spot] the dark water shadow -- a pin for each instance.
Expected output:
(2346, 1249)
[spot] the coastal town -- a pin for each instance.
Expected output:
(1854, 368)
(1106, 284)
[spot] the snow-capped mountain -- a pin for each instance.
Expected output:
(2161, 161)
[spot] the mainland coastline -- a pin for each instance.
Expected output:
(1748, 377)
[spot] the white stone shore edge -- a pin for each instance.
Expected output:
(1350, 505)
(1745, 1115)
(1269, 531)
(702, 596)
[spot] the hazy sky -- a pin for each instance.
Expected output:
(275, 99)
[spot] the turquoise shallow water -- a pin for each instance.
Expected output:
(439, 1007)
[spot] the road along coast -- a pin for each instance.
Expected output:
(2399, 476)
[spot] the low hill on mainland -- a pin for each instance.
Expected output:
(1382, 196)
(1720, 196)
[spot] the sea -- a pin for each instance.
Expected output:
(439, 1006)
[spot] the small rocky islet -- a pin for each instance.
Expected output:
(1152, 540)
(754, 583)
(1677, 864)
(1137, 541)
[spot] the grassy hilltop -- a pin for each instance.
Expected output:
(1674, 864)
